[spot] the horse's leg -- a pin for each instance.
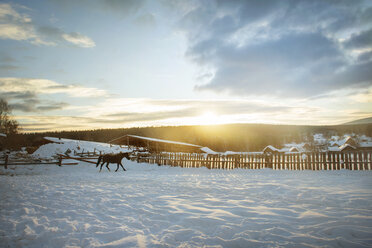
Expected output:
(107, 166)
(101, 166)
(122, 166)
(117, 168)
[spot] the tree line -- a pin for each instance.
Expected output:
(232, 137)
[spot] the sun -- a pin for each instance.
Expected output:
(208, 118)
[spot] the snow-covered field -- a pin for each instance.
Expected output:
(151, 206)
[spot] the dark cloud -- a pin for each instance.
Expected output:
(57, 36)
(360, 40)
(30, 102)
(6, 58)
(51, 32)
(146, 20)
(364, 57)
(286, 48)
(8, 67)
(52, 106)
(123, 7)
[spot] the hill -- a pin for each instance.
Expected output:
(230, 137)
(360, 121)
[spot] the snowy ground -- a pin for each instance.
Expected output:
(151, 206)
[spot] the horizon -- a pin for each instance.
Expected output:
(88, 65)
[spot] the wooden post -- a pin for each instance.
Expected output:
(60, 160)
(6, 161)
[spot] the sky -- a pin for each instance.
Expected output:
(73, 65)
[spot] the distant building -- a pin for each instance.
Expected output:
(347, 148)
(157, 145)
(270, 149)
(365, 146)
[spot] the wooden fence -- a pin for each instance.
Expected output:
(304, 161)
(7, 162)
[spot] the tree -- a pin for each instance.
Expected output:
(7, 125)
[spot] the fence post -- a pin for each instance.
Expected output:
(364, 167)
(6, 161)
(60, 160)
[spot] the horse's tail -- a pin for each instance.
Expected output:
(99, 160)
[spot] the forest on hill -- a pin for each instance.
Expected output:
(230, 137)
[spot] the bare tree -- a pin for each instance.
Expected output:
(7, 125)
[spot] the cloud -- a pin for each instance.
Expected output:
(25, 94)
(79, 40)
(279, 48)
(123, 7)
(8, 67)
(360, 40)
(19, 26)
(45, 86)
(146, 20)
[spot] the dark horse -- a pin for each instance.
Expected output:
(112, 158)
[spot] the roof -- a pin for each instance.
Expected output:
(344, 146)
(270, 147)
(295, 149)
(208, 150)
(333, 149)
(155, 140)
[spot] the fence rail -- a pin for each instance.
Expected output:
(360, 160)
(7, 162)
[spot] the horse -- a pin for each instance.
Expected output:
(112, 158)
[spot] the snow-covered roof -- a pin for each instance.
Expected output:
(333, 149)
(2, 135)
(344, 146)
(295, 149)
(271, 148)
(365, 138)
(158, 140)
(292, 147)
(319, 138)
(208, 150)
(365, 144)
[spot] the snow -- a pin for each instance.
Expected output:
(319, 138)
(208, 150)
(161, 206)
(334, 149)
(365, 144)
